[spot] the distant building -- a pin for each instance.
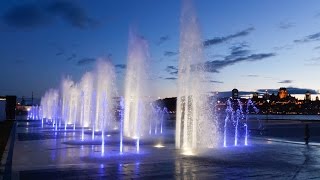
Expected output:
(235, 94)
(255, 96)
(308, 96)
(273, 97)
(283, 93)
(281, 103)
(266, 96)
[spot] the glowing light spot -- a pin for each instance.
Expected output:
(159, 146)
(108, 135)
(188, 153)
(135, 137)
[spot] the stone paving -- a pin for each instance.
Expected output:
(43, 153)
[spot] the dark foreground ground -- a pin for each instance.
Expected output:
(5, 129)
(276, 150)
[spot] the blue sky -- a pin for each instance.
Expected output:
(250, 45)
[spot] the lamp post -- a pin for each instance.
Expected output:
(268, 107)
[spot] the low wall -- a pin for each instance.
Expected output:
(2, 110)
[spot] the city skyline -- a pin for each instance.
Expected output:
(251, 46)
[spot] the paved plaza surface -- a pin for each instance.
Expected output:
(44, 153)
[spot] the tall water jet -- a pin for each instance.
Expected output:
(103, 92)
(104, 96)
(86, 85)
(74, 109)
(194, 116)
(66, 85)
(136, 101)
(121, 124)
(49, 104)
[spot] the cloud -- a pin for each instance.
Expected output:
(170, 53)
(216, 56)
(71, 13)
(170, 78)
(215, 65)
(285, 82)
(72, 57)
(238, 50)
(163, 39)
(312, 64)
(25, 16)
(121, 66)
(283, 47)
(286, 25)
(291, 90)
(19, 61)
(33, 15)
(309, 38)
(238, 53)
(219, 40)
(252, 75)
(59, 53)
(313, 61)
(317, 15)
(316, 48)
(239, 46)
(218, 82)
(172, 70)
(85, 61)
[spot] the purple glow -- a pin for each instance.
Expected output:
(121, 124)
(138, 145)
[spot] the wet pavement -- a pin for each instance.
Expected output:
(43, 153)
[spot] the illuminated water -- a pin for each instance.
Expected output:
(34, 113)
(196, 125)
(89, 103)
(236, 120)
(93, 106)
(137, 105)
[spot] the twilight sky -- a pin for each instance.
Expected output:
(250, 45)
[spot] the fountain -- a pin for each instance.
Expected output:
(237, 114)
(104, 97)
(66, 85)
(137, 104)
(49, 105)
(33, 112)
(194, 116)
(86, 85)
(91, 102)
(121, 111)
